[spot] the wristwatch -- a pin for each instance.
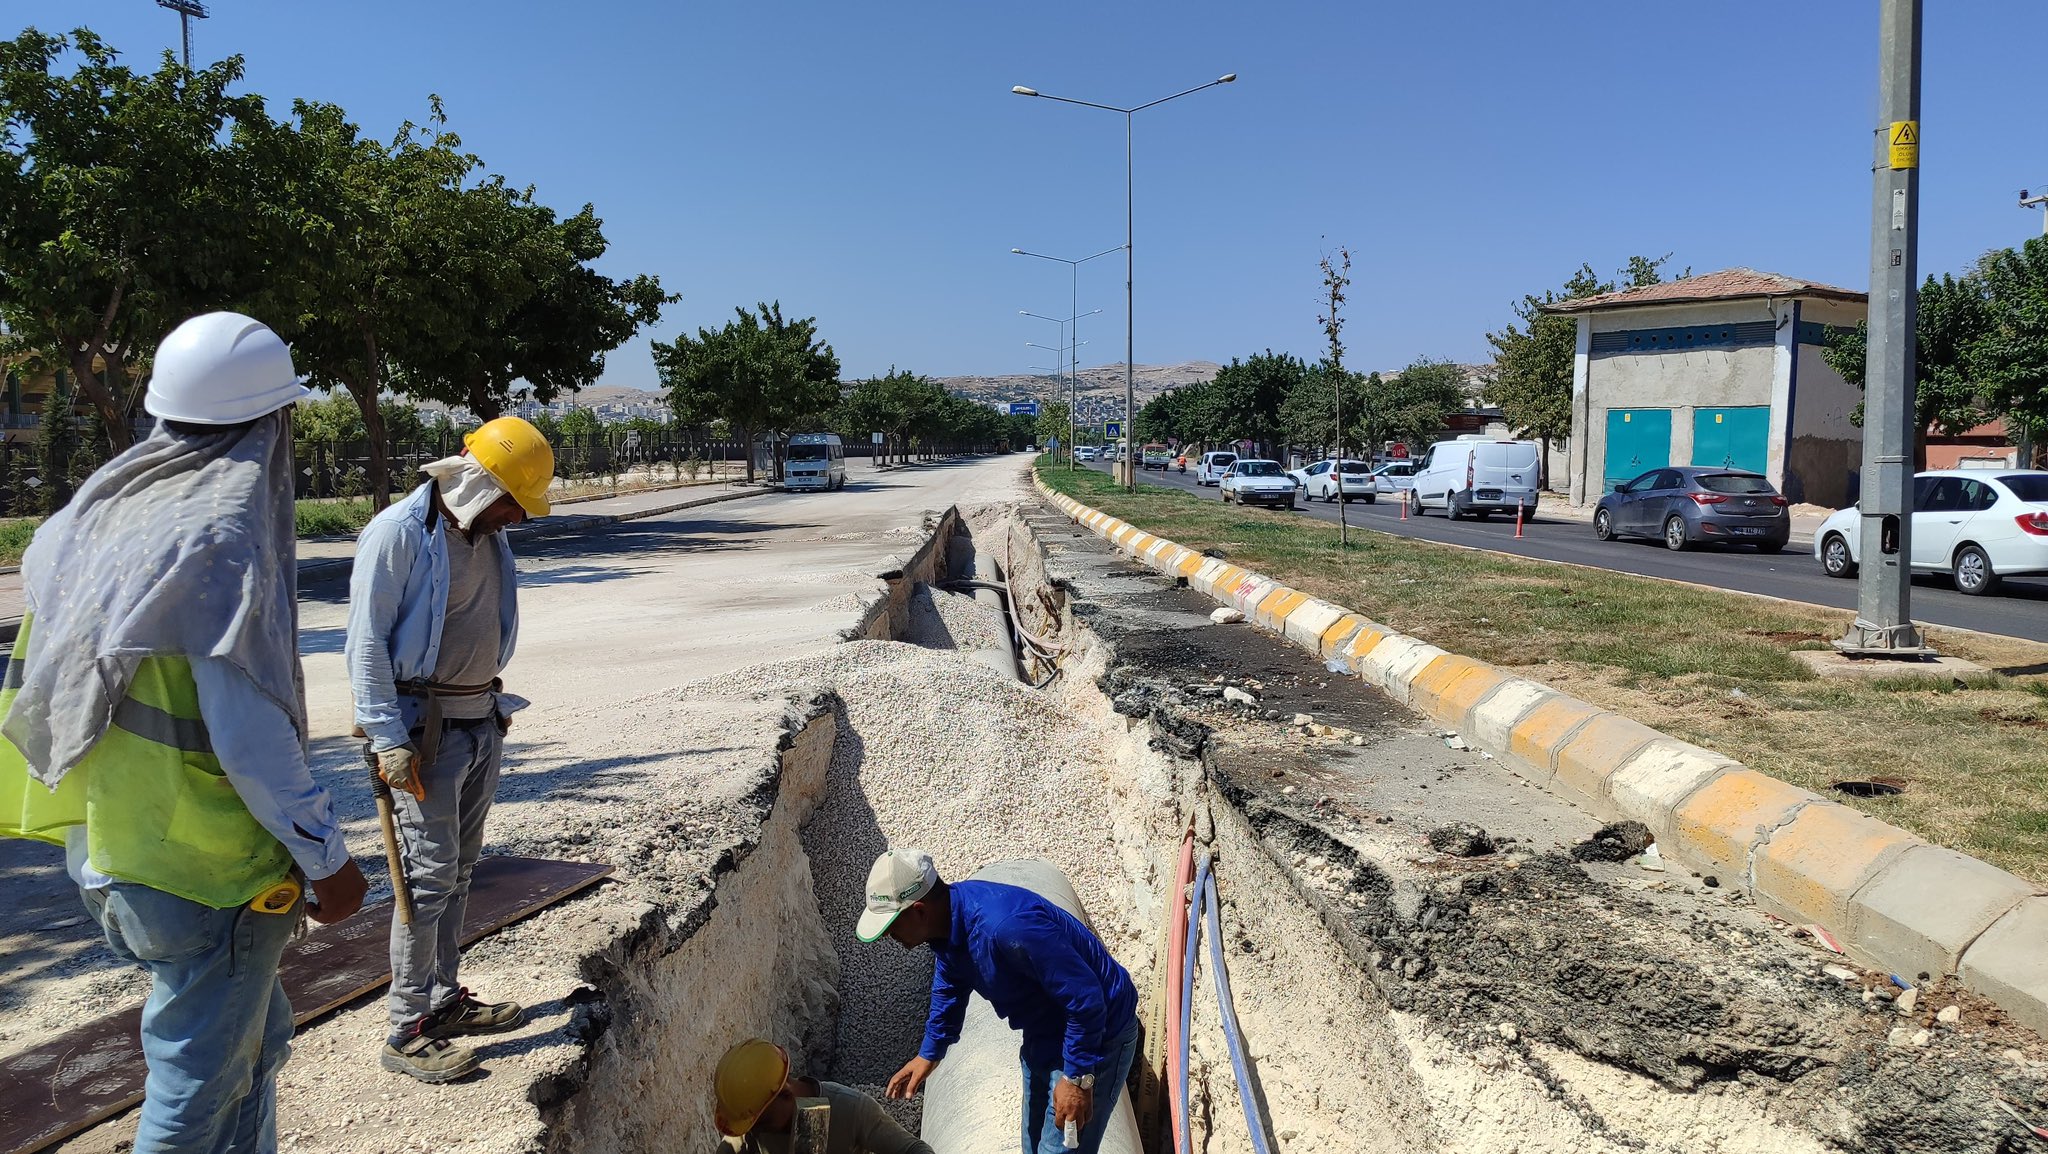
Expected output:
(1085, 1081)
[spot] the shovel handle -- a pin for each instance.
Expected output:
(401, 885)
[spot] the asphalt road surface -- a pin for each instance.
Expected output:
(2018, 609)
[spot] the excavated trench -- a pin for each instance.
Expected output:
(1400, 987)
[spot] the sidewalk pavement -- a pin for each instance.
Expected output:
(326, 557)
(1806, 519)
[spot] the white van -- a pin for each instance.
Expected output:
(1213, 466)
(1478, 475)
(815, 461)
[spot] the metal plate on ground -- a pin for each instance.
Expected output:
(95, 1071)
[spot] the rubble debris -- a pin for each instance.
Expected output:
(1617, 842)
(1236, 696)
(1225, 615)
(1461, 839)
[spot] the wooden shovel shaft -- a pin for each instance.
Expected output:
(401, 885)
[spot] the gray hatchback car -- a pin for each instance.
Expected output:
(1690, 505)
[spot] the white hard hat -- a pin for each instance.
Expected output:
(222, 369)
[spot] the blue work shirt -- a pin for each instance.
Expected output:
(1044, 973)
(397, 604)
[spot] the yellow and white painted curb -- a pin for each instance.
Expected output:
(1894, 902)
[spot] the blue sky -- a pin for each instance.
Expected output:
(867, 163)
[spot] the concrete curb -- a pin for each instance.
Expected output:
(569, 526)
(1895, 902)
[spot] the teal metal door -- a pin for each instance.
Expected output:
(1638, 440)
(1733, 438)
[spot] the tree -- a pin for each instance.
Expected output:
(1247, 396)
(1412, 404)
(1955, 319)
(755, 374)
(1051, 424)
(2011, 351)
(126, 208)
(1531, 375)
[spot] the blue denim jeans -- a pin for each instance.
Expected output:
(1042, 1069)
(443, 837)
(217, 1024)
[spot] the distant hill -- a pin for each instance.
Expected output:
(1106, 381)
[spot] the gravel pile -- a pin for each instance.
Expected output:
(942, 753)
(943, 620)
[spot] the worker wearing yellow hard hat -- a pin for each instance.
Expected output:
(756, 1101)
(433, 614)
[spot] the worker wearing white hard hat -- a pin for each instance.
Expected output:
(158, 659)
(433, 615)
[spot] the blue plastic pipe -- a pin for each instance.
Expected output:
(1200, 899)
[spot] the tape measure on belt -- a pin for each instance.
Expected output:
(278, 899)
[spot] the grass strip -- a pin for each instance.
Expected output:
(1707, 666)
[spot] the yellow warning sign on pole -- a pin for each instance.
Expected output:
(1905, 144)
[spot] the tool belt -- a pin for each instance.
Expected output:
(431, 723)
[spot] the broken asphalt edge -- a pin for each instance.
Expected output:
(1895, 902)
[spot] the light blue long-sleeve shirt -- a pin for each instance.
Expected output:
(397, 605)
(260, 751)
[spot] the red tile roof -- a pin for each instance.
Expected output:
(1728, 284)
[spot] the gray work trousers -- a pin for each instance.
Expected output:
(442, 837)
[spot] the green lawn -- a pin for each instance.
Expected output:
(1710, 667)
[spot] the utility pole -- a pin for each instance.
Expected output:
(2040, 201)
(1884, 621)
(188, 11)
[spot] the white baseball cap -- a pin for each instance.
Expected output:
(899, 879)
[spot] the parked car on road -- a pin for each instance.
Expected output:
(1393, 478)
(1213, 466)
(1259, 483)
(1477, 475)
(1691, 505)
(1086, 452)
(1155, 456)
(1976, 525)
(1318, 481)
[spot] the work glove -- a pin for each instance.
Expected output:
(400, 769)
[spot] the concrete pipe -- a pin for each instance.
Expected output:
(974, 1101)
(966, 565)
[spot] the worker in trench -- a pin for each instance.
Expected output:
(155, 726)
(433, 614)
(1042, 971)
(757, 1099)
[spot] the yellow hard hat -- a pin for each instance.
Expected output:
(749, 1077)
(516, 454)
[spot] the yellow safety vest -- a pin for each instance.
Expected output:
(156, 806)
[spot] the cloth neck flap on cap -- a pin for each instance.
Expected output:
(467, 488)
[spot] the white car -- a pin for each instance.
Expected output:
(1259, 483)
(1086, 453)
(1319, 481)
(1476, 475)
(1394, 478)
(1977, 525)
(1213, 466)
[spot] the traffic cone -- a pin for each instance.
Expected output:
(1518, 520)
(1404, 508)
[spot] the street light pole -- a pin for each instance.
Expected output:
(2040, 201)
(1884, 621)
(1074, 313)
(1130, 260)
(1074, 353)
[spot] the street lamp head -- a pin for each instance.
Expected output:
(1227, 78)
(1020, 252)
(1020, 90)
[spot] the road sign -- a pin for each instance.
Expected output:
(1052, 444)
(1905, 150)
(1023, 408)
(877, 437)
(1113, 428)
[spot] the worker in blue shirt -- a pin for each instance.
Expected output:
(1041, 970)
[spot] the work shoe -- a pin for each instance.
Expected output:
(466, 1015)
(430, 1059)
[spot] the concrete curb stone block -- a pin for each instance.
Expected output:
(1492, 724)
(1361, 643)
(1429, 685)
(1810, 868)
(1921, 912)
(1651, 785)
(1205, 576)
(1334, 638)
(1602, 745)
(1723, 820)
(1548, 728)
(1309, 621)
(1394, 662)
(1273, 610)
(1454, 704)
(1253, 589)
(2009, 963)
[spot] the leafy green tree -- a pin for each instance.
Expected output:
(1247, 397)
(1531, 375)
(1052, 423)
(1956, 319)
(1412, 404)
(755, 374)
(1308, 417)
(124, 207)
(580, 422)
(2011, 351)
